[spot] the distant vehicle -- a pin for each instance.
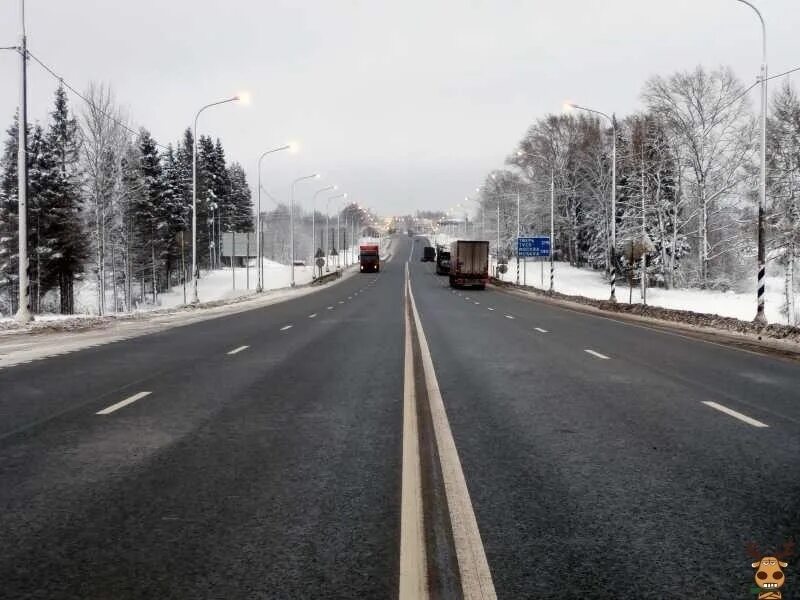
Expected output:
(369, 255)
(442, 261)
(469, 264)
(428, 254)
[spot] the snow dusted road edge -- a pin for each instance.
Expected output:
(43, 339)
(783, 339)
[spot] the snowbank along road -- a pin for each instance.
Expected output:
(390, 437)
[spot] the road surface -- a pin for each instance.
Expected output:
(260, 455)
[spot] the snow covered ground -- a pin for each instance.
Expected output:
(212, 286)
(591, 284)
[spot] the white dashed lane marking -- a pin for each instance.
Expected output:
(508, 317)
(312, 315)
(239, 349)
(489, 308)
(540, 330)
(330, 308)
(597, 354)
(110, 409)
(735, 414)
(285, 327)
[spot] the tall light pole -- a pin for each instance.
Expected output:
(760, 317)
(291, 218)
(613, 122)
(520, 153)
(313, 218)
(195, 273)
(328, 228)
(260, 284)
(23, 312)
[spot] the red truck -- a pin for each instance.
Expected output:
(369, 255)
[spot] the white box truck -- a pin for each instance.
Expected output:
(469, 264)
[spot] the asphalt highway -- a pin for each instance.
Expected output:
(260, 455)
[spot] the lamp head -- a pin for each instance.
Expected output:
(243, 97)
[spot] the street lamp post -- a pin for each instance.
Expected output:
(313, 218)
(760, 317)
(291, 218)
(613, 122)
(23, 311)
(195, 273)
(328, 228)
(260, 284)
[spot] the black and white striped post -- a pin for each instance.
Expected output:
(760, 317)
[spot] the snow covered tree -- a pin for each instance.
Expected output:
(709, 116)
(9, 250)
(105, 144)
(783, 168)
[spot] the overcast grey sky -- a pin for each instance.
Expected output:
(405, 104)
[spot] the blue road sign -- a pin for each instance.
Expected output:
(533, 246)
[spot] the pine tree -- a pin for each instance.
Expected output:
(151, 215)
(176, 211)
(9, 251)
(240, 199)
(68, 248)
(207, 202)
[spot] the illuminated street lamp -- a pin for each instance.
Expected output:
(291, 218)
(313, 217)
(328, 226)
(260, 284)
(244, 98)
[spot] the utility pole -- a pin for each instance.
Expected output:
(23, 312)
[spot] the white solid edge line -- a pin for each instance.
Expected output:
(735, 414)
(110, 409)
(237, 350)
(597, 354)
(476, 578)
(285, 327)
(312, 315)
(413, 557)
(540, 330)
